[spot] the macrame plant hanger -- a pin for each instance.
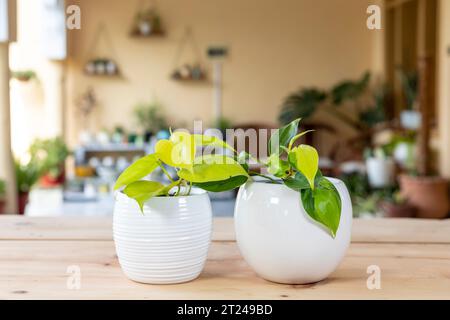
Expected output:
(186, 40)
(101, 32)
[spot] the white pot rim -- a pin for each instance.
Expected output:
(195, 193)
(260, 180)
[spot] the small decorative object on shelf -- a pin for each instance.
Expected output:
(188, 71)
(101, 67)
(147, 23)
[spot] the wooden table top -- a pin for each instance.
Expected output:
(35, 253)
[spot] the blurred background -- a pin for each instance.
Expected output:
(88, 86)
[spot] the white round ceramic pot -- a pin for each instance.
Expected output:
(168, 243)
(380, 172)
(280, 241)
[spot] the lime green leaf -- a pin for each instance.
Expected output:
(212, 168)
(224, 185)
(137, 170)
(282, 136)
(306, 160)
(277, 166)
(323, 204)
(141, 191)
(177, 152)
(203, 140)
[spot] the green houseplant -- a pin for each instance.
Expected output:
(23, 75)
(50, 155)
(150, 217)
(278, 217)
(355, 103)
(27, 175)
(150, 118)
(2, 195)
(304, 194)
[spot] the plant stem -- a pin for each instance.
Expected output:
(189, 189)
(165, 171)
(262, 175)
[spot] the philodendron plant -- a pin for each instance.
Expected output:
(298, 169)
(295, 166)
(213, 172)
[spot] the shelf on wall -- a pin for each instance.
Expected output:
(155, 34)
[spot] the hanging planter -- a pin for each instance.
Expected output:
(24, 76)
(99, 65)
(147, 23)
(188, 71)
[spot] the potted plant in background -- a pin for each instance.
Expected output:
(428, 192)
(27, 175)
(150, 118)
(395, 205)
(2, 196)
(294, 228)
(162, 232)
(50, 155)
(409, 118)
(380, 168)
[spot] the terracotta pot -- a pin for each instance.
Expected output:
(22, 202)
(430, 195)
(48, 181)
(394, 210)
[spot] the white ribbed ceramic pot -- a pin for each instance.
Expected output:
(166, 244)
(280, 241)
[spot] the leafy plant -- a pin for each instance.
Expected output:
(298, 169)
(150, 118)
(49, 155)
(305, 102)
(23, 75)
(209, 172)
(2, 188)
(27, 175)
(410, 82)
(223, 124)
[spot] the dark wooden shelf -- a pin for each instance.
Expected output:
(155, 34)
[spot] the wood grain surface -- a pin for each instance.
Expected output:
(35, 254)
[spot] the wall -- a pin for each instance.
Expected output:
(275, 48)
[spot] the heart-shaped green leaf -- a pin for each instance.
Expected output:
(323, 204)
(276, 166)
(138, 170)
(282, 136)
(141, 191)
(212, 168)
(178, 152)
(211, 141)
(297, 182)
(224, 185)
(306, 160)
